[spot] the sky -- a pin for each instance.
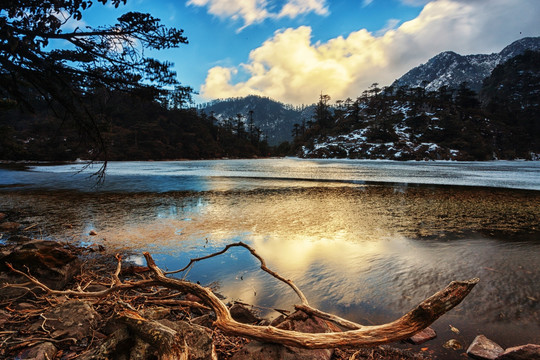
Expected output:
(294, 50)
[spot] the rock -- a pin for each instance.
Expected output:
(423, 336)
(523, 352)
(42, 351)
(197, 338)
(2, 216)
(48, 261)
(484, 349)
(242, 314)
(9, 226)
(298, 321)
(92, 233)
(156, 313)
(453, 344)
(71, 319)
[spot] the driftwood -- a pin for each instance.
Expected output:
(357, 335)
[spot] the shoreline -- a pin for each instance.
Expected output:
(94, 268)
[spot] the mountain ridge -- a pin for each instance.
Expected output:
(450, 69)
(428, 103)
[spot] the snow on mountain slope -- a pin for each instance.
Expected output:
(451, 69)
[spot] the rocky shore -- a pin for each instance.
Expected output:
(62, 324)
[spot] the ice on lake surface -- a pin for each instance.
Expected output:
(214, 174)
(367, 240)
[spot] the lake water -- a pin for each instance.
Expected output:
(367, 240)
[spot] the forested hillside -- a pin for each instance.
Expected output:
(406, 123)
(131, 128)
(275, 119)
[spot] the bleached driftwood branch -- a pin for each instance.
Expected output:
(358, 335)
(409, 324)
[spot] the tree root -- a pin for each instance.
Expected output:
(170, 345)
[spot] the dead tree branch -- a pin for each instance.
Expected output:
(263, 267)
(409, 324)
(358, 335)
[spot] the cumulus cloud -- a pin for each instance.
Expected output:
(256, 11)
(251, 11)
(294, 8)
(291, 68)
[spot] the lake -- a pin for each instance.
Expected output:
(366, 240)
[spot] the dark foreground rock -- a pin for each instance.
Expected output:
(53, 263)
(42, 351)
(484, 349)
(75, 319)
(423, 336)
(298, 321)
(524, 352)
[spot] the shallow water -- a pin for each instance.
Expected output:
(365, 240)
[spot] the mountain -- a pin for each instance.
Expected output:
(410, 123)
(426, 114)
(273, 118)
(451, 69)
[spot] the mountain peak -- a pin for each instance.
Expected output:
(451, 69)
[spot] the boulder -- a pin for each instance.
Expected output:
(156, 313)
(484, 349)
(46, 260)
(42, 351)
(298, 321)
(423, 336)
(71, 319)
(523, 352)
(197, 338)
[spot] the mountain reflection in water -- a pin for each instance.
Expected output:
(366, 252)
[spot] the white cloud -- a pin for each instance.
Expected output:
(251, 11)
(366, 3)
(294, 8)
(256, 11)
(391, 24)
(291, 68)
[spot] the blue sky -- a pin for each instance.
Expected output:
(292, 50)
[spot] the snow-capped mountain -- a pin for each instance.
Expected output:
(451, 69)
(408, 124)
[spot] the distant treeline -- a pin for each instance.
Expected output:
(131, 127)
